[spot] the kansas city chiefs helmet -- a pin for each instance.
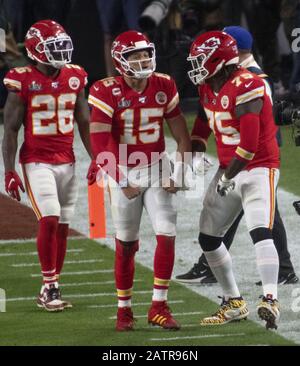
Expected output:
(209, 53)
(47, 42)
(126, 44)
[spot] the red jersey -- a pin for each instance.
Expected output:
(49, 111)
(242, 87)
(136, 119)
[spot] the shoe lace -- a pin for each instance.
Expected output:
(225, 305)
(54, 294)
(127, 315)
(165, 310)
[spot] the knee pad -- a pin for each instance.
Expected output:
(66, 214)
(165, 223)
(260, 233)
(50, 207)
(208, 242)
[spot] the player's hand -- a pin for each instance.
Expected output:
(12, 184)
(131, 192)
(169, 186)
(201, 164)
(92, 172)
(225, 186)
(296, 204)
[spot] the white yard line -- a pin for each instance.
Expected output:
(175, 314)
(26, 241)
(100, 294)
(75, 284)
(79, 272)
(200, 337)
(133, 305)
(66, 262)
(10, 254)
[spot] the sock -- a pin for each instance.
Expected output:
(47, 247)
(163, 266)
(220, 263)
(124, 270)
(268, 266)
(61, 238)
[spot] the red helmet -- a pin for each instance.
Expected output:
(209, 53)
(127, 43)
(47, 42)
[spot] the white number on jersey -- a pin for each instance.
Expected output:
(56, 117)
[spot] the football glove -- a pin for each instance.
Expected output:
(225, 186)
(12, 184)
(92, 172)
(296, 204)
(201, 164)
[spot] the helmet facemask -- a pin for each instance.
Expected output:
(58, 50)
(134, 68)
(198, 73)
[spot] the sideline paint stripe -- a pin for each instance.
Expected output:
(79, 273)
(133, 305)
(35, 253)
(66, 262)
(100, 294)
(200, 336)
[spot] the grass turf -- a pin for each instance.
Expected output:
(24, 324)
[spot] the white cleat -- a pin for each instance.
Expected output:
(268, 310)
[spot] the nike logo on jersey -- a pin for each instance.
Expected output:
(96, 88)
(247, 85)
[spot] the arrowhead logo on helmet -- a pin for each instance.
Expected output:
(48, 43)
(209, 53)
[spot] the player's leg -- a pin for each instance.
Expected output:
(159, 205)
(217, 216)
(286, 270)
(201, 272)
(42, 192)
(258, 187)
(67, 195)
(126, 215)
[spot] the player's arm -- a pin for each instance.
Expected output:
(82, 117)
(199, 136)
(200, 132)
(179, 131)
(248, 115)
(13, 118)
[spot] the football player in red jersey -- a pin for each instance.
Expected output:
(46, 98)
(239, 112)
(129, 111)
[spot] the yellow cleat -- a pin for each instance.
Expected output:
(268, 310)
(233, 309)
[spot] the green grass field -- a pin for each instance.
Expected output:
(91, 321)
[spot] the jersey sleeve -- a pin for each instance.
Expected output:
(172, 109)
(81, 74)
(101, 103)
(250, 89)
(14, 81)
